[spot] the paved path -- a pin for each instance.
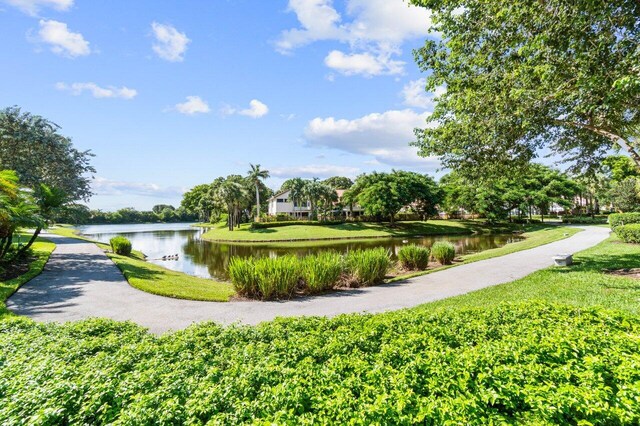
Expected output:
(80, 282)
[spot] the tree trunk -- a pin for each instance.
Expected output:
(391, 220)
(5, 245)
(31, 241)
(257, 203)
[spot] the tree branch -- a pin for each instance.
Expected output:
(617, 139)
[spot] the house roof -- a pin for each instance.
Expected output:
(279, 194)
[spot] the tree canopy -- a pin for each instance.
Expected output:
(338, 182)
(33, 147)
(527, 75)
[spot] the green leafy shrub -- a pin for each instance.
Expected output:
(586, 220)
(322, 271)
(120, 245)
(444, 252)
(629, 233)
(414, 257)
(618, 219)
(367, 267)
(266, 278)
(512, 364)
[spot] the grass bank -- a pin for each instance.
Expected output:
(155, 279)
(537, 235)
(41, 250)
(585, 284)
(355, 230)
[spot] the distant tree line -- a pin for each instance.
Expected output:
(161, 213)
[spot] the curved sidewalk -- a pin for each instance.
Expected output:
(81, 282)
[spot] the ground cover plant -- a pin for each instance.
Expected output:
(414, 257)
(444, 252)
(524, 363)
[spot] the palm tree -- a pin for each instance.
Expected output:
(233, 193)
(256, 175)
(49, 200)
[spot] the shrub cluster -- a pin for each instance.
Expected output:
(629, 233)
(271, 278)
(120, 245)
(514, 364)
(414, 257)
(444, 252)
(618, 219)
(586, 220)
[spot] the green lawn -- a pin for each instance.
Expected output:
(537, 235)
(41, 250)
(351, 231)
(584, 284)
(155, 279)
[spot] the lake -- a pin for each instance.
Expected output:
(209, 260)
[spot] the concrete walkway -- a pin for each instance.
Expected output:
(81, 282)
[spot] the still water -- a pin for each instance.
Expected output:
(209, 260)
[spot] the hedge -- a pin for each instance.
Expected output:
(586, 220)
(629, 233)
(120, 245)
(513, 364)
(617, 219)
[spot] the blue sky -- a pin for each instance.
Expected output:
(170, 94)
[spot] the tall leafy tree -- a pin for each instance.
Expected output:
(297, 188)
(524, 75)
(233, 191)
(33, 147)
(256, 176)
(338, 182)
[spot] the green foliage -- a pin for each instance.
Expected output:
(384, 194)
(338, 182)
(444, 252)
(625, 195)
(620, 167)
(322, 271)
(617, 219)
(512, 364)
(120, 245)
(629, 233)
(414, 257)
(367, 267)
(520, 76)
(586, 220)
(265, 278)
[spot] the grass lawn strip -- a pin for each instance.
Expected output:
(585, 284)
(155, 279)
(355, 230)
(41, 250)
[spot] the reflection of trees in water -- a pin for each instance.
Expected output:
(215, 256)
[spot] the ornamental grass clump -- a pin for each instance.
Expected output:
(367, 267)
(120, 245)
(414, 257)
(322, 271)
(266, 278)
(444, 252)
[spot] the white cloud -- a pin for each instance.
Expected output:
(256, 109)
(32, 7)
(61, 40)
(414, 94)
(375, 32)
(366, 64)
(383, 136)
(97, 91)
(103, 186)
(170, 44)
(193, 105)
(313, 170)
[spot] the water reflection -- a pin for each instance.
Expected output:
(210, 260)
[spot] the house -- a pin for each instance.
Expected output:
(282, 204)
